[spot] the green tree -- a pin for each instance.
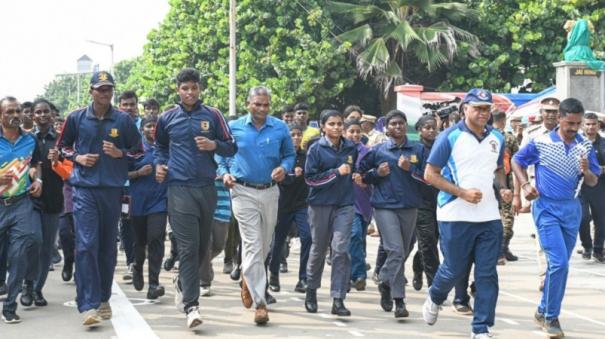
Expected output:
(386, 37)
(281, 44)
(63, 92)
(519, 40)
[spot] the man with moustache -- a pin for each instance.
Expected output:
(463, 164)
(97, 139)
(19, 227)
(563, 160)
(265, 154)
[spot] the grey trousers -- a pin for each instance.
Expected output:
(335, 223)
(191, 211)
(397, 227)
(256, 213)
(217, 245)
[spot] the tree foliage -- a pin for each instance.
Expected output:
(385, 35)
(519, 40)
(63, 92)
(281, 44)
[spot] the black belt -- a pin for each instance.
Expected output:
(12, 200)
(257, 186)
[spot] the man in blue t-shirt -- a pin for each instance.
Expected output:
(463, 164)
(563, 160)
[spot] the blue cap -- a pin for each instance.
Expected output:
(478, 97)
(101, 78)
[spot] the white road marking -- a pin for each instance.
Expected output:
(509, 321)
(573, 314)
(325, 316)
(296, 299)
(126, 320)
(538, 333)
(339, 324)
(356, 333)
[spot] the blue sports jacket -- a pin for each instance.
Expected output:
(84, 133)
(176, 147)
(327, 186)
(400, 188)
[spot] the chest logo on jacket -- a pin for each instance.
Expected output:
(494, 145)
(350, 160)
(413, 159)
(113, 133)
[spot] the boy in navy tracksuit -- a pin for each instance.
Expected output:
(97, 139)
(329, 173)
(187, 137)
(148, 214)
(293, 192)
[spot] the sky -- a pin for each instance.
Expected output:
(42, 38)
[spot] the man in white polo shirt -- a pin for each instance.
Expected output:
(462, 165)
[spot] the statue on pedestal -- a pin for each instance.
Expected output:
(578, 44)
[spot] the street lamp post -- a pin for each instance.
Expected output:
(232, 57)
(110, 48)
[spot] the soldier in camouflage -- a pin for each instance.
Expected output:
(508, 219)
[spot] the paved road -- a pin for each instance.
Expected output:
(224, 315)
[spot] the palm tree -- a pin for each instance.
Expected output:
(384, 34)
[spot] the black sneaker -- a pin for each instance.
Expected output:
(587, 254)
(10, 317)
(169, 263)
(598, 257)
(552, 328)
(270, 299)
(510, 256)
(283, 267)
(155, 292)
(27, 294)
(539, 318)
(137, 277)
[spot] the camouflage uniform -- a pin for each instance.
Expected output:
(511, 147)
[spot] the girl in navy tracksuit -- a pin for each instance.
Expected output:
(148, 212)
(394, 168)
(329, 174)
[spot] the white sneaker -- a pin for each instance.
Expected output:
(482, 335)
(205, 291)
(430, 311)
(194, 318)
(91, 318)
(178, 295)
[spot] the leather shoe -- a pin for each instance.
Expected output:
(27, 297)
(39, 299)
(245, 294)
(510, 256)
(235, 274)
(269, 298)
(301, 286)
(417, 281)
(400, 310)
(155, 292)
(338, 308)
(311, 300)
(137, 277)
(274, 282)
(385, 297)
(261, 315)
(67, 272)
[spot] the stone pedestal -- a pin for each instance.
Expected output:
(575, 79)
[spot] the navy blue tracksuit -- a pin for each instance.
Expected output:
(97, 196)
